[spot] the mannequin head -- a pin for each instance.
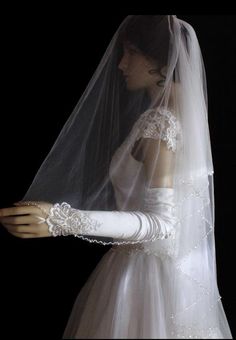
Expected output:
(146, 43)
(139, 70)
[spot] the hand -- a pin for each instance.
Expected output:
(26, 221)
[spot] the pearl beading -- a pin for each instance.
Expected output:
(196, 332)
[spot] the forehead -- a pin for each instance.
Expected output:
(129, 44)
(139, 54)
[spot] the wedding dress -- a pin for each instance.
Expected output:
(128, 295)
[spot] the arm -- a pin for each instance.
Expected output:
(42, 219)
(156, 221)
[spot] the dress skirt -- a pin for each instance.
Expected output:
(127, 296)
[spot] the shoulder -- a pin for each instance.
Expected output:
(161, 116)
(161, 124)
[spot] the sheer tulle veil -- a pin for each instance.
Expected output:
(77, 168)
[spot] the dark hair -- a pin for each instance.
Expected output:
(151, 35)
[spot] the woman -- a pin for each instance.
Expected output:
(132, 167)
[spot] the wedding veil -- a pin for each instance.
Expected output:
(113, 116)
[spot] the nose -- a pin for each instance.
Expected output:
(123, 63)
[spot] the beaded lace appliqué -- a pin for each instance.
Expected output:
(162, 124)
(64, 220)
(197, 333)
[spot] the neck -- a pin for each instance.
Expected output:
(153, 92)
(156, 95)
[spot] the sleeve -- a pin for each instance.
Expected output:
(157, 219)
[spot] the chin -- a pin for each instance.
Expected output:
(132, 87)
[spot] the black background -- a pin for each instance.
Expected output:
(48, 58)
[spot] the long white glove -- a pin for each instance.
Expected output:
(156, 221)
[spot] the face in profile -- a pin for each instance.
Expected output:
(136, 69)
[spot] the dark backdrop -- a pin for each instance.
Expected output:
(48, 58)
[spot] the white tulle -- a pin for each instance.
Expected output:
(128, 296)
(149, 216)
(129, 293)
(133, 158)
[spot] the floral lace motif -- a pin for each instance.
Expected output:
(162, 124)
(64, 220)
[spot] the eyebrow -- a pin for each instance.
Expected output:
(128, 44)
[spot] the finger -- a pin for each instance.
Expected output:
(34, 229)
(21, 229)
(27, 219)
(21, 210)
(20, 235)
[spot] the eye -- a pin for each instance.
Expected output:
(133, 49)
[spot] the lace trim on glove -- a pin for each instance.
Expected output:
(64, 220)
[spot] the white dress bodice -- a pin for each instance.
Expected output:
(127, 198)
(126, 173)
